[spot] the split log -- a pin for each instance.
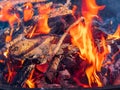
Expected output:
(55, 62)
(52, 69)
(28, 47)
(42, 46)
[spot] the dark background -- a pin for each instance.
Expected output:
(112, 8)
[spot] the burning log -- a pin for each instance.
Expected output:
(23, 73)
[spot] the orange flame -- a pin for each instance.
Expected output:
(82, 38)
(30, 80)
(8, 38)
(116, 35)
(28, 11)
(42, 25)
(7, 16)
(90, 9)
(10, 73)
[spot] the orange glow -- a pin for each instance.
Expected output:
(10, 73)
(116, 35)
(30, 80)
(28, 11)
(82, 38)
(6, 15)
(42, 25)
(8, 38)
(2, 61)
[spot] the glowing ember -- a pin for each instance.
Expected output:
(116, 35)
(83, 39)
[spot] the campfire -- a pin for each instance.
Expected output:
(52, 44)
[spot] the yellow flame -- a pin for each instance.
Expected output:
(30, 81)
(6, 53)
(30, 84)
(116, 35)
(82, 38)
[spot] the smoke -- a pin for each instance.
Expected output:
(112, 9)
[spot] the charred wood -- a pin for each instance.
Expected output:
(52, 69)
(24, 72)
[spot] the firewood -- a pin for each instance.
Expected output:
(7, 45)
(29, 47)
(23, 73)
(64, 77)
(52, 69)
(60, 12)
(56, 11)
(62, 38)
(64, 66)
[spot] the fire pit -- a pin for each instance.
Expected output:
(59, 44)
